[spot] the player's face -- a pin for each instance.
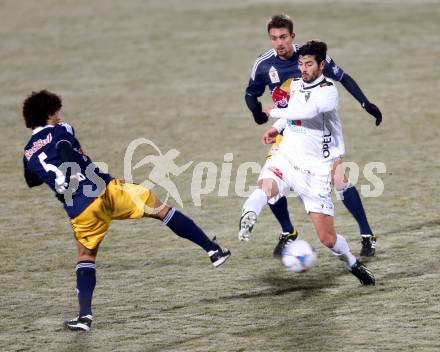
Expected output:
(310, 70)
(281, 40)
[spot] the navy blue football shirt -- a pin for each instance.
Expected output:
(42, 164)
(270, 70)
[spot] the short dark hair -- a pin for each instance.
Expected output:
(280, 21)
(315, 48)
(38, 106)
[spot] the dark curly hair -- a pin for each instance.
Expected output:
(314, 48)
(280, 21)
(38, 106)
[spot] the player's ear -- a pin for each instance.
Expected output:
(293, 35)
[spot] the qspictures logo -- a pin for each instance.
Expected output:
(209, 178)
(166, 169)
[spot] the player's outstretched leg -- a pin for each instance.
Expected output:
(267, 189)
(288, 232)
(140, 201)
(339, 247)
(185, 227)
(251, 209)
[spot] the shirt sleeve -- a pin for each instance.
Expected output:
(32, 180)
(280, 125)
(331, 70)
(324, 99)
(257, 84)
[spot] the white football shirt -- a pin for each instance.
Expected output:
(312, 127)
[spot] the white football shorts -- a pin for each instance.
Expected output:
(312, 186)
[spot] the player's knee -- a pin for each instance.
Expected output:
(85, 253)
(269, 187)
(339, 178)
(160, 215)
(159, 211)
(163, 212)
(328, 239)
(339, 184)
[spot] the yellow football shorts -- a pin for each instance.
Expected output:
(120, 201)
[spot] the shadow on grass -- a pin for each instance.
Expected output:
(300, 281)
(279, 285)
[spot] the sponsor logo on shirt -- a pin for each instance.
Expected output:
(37, 145)
(327, 139)
(273, 75)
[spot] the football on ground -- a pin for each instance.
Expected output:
(299, 256)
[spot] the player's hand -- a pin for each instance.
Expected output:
(260, 117)
(269, 136)
(75, 180)
(61, 186)
(372, 109)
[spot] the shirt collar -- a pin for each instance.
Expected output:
(315, 82)
(40, 128)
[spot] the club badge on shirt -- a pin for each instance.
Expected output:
(273, 74)
(307, 96)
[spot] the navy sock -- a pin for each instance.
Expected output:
(85, 284)
(353, 203)
(185, 227)
(279, 209)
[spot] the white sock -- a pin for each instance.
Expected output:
(255, 202)
(342, 250)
